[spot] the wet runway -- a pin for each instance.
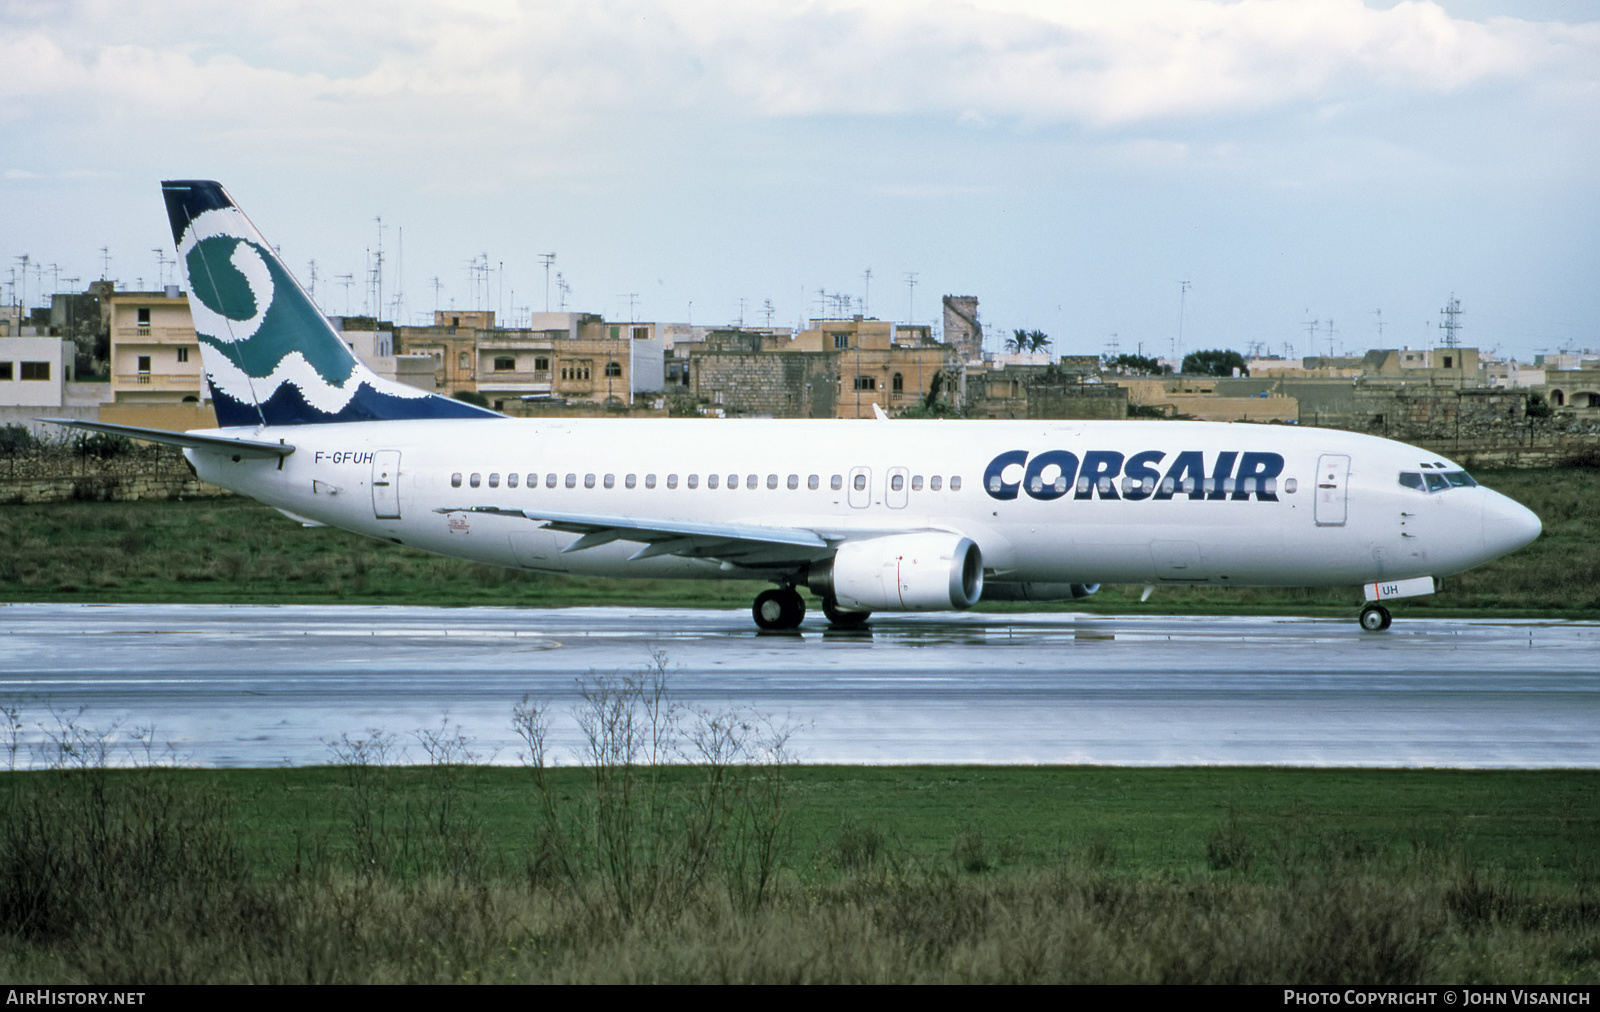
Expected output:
(262, 686)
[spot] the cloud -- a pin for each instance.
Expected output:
(1101, 64)
(459, 66)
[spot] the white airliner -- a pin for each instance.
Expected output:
(869, 515)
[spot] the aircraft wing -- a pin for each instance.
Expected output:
(753, 545)
(211, 444)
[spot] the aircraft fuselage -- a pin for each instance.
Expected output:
(1050, 502)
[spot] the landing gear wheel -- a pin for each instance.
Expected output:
(1375, 618)
(778, 609)
(843, 619)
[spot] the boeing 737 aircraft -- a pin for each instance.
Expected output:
(869, 515)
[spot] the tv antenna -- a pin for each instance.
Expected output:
(547, 259)
(1183, 294)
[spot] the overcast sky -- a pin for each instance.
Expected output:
(1072, 164)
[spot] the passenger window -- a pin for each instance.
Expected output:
(897, 482)
(772, 480)
(494, 480)
(1189, 485)
(694, 481)
(572, 480)
(550, 481)
(533, 481)
(1082, 485)
(794, 481)
(511, 481)
(955, 483)
(733, 481)
(475, 480)
(813, 482)
(1271, 486)
(1168, 486)
(1411, 479)
(1104, 485)
(455, 480)
(836, 482)
(712, 480)
(860, 482)
(588, 481)
(650, 481)
(1290, 485)
(916, 483)
(672, 481)
(933, 483)
(611, 481)
(630, 481)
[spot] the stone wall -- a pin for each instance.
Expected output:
(796, 385)
(1529, 444)
(1091, 401)
(644, 406)
(61, 475)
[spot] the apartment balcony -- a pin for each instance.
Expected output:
(507, 378)
(515, 383)
(156, 381)
(146, 334)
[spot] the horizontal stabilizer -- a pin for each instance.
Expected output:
(225, 445)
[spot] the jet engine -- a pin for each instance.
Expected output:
(931, 571)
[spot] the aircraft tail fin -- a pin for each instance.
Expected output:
(271, 356)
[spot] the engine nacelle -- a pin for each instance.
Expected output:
(1038, 591)
(902, 572)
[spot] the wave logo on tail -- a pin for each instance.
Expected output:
(271, 356)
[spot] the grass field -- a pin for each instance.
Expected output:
(234, 550)
(936, 874)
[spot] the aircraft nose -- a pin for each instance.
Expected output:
(1507, 525)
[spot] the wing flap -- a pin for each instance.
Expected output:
(745, 544)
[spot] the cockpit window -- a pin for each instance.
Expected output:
(1435, 481)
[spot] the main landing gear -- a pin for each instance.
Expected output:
(783, 608)
(1375, 618)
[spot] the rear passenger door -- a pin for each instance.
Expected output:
(386, 484)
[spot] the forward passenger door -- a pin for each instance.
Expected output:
(1333, 478)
